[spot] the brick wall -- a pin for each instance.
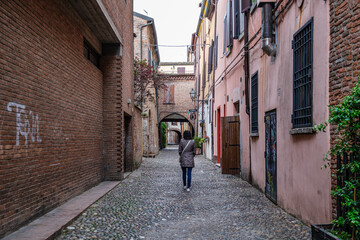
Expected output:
(122, 15)
(182, 101)
(113, 123)
(121, 12)
(344, 56)
(51, 109)
(138, 137)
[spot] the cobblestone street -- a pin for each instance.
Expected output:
(151, 204)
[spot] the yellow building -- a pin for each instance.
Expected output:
(204, 68)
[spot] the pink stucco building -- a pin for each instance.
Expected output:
(274, 76)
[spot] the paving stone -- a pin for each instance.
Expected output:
(151, 204)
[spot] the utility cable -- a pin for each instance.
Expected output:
(241, 50)
(160, 45)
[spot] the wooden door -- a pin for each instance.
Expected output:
(230, 127)
(270, 156)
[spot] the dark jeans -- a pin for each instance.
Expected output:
(188, 176)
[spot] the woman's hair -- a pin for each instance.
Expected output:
(187, 135)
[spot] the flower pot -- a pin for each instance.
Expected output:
(198, 151)
(322, 232)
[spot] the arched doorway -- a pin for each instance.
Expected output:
(173, 136)
(176, 124)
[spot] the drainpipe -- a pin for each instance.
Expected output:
(246, 61)
(247, 79)
(267, 43)
(141, 45)
(203, 93)
(213, 86)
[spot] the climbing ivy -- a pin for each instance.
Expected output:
(346, 117)
(164, 133)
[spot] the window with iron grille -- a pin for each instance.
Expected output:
(254, 104)
(302, 45)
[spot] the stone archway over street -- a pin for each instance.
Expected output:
(174, 101)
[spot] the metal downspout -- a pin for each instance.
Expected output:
(267, 43)
(203, 92)
(141, 45)
(213, 86)
(247, 79)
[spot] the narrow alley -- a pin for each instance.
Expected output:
(151, 204)
(97, 95)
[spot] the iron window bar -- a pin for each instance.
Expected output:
(302, 76)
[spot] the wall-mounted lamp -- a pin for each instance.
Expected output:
(193, 96)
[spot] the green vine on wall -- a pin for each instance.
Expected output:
(164, 133)
(346, 117)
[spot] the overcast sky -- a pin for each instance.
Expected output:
(175, 21)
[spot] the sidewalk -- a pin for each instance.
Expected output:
(51, 223)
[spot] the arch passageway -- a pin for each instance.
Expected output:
(175, 104)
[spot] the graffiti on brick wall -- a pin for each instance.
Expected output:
(27, 123)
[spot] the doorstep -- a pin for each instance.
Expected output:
(49, 225)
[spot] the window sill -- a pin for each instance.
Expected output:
(305, 130)
(254, 134)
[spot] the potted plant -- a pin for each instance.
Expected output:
(346, 117)
(197, 144)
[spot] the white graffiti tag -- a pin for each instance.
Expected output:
(27, 125)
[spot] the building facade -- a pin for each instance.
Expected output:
(145, 48)
(344, 59)
(176, 68)
(271, 79)
(205, 55)
(65, 68)
(175, 104)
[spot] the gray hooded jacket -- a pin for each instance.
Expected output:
(187, 157)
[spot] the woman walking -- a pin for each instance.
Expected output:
(187, 154)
